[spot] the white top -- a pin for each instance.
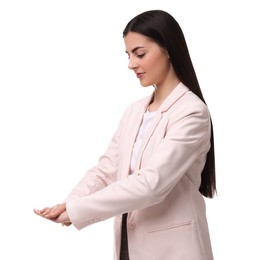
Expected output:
(147, 119)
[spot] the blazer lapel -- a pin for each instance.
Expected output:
(179, 91)
(133, 131)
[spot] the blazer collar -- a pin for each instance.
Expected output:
(176, 93)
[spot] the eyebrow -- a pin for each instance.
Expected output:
(135, 49)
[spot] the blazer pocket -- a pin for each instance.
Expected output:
(187, 224)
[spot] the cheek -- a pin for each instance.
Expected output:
(159, 65)
(153, 63)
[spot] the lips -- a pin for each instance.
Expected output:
(139, 75)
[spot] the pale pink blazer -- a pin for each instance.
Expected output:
(166, 212)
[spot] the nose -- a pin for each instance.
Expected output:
(132, 64)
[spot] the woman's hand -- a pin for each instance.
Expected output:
(57, 214)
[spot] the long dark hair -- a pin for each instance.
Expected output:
(161, 27)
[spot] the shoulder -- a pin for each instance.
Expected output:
(190, 109)
(194, 102)
(190, 103)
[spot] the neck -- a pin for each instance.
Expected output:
(161, 93)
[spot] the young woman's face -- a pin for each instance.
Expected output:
(147, 59)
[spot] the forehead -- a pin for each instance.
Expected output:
(133, 40)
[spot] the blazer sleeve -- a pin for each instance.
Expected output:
(187, 136)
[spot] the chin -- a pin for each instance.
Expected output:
(145, 85)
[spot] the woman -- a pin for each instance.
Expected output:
(159, 163)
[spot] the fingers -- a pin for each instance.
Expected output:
(63, 218)
(37, 212)
(57, 214)
(51, 212)
(56, 211)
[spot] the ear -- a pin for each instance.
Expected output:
(167, 54)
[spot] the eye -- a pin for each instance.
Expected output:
(141, 55)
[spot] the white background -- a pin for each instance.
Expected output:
(64, 84)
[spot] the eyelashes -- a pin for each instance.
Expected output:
(140, 56)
